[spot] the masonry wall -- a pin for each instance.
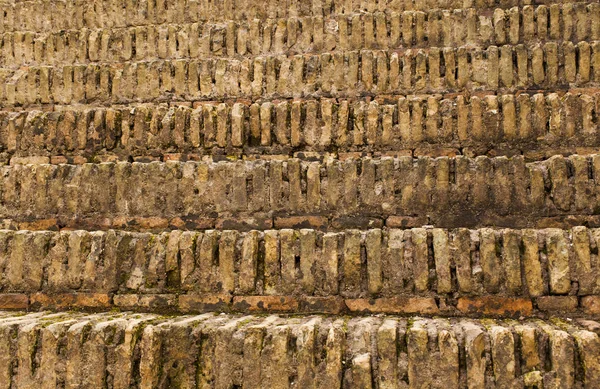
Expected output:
(225, 351)
(426, 271)
(385, 29)
(536, 125)
(510, 68)
(299, 193)
(448, 192)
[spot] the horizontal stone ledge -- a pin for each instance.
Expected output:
(161, 303)
(454, 192)
(49, 16)
(554, 267)
(211, 350)
(531, 154)
(310, 34)
(245, 223)
(509, 68)
(532, 124)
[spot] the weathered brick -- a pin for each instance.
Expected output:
(63, 301)
(14, 301)
(591, 305)
(204, 302)
(495, 305)
(265, 303)
(414, 305)
(557, 303)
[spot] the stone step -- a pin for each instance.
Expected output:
(537, 126)
(445, 192)
(424, 271)
(124, 350)
(311, 34)
(504, 69)
(52, 15)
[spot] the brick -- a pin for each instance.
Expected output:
(396, 305)
(327, 305)
(33, 160)
(154, 302)
(265, 304)
(495, 305)
(70, 301)
(226, 80)
(39, 225)
(557, 303)
(245, 224)
(591, 305)
(316, 222)
(204, 303)
(14, 301)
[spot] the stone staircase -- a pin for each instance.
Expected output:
(299, 194)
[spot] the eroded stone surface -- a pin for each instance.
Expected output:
(211, 350)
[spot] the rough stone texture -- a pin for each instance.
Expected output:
(305, 270)
(336, 161)
(209, 350)
(450, 192)
(375, 263)
(547, 65)
(537, 125)
(44, 15)
(310, 33)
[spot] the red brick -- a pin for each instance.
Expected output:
(418, 305)
(70, 300)
(180, 104)
(96, 223)
(194, 157)
(589, 325)
(39, 225)
(495, 305)
(14, 301)
(342, 156)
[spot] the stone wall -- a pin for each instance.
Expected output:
(510, 68)
(299, 194)
(536, 125)
(210, 350)
(417, 270)
(338, 193)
